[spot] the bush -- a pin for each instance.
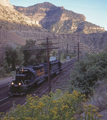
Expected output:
(91, 113)
(57, 107)
(88, 71)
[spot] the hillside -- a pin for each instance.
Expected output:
(58, 19)
(16, 28)
(10, 19)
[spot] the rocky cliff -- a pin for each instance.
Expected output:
(58, 19)
(47, 12)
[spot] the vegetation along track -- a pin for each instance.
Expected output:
(7, 102)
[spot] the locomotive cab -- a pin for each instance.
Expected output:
(21, 84)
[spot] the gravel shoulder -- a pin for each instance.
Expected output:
(6, 80)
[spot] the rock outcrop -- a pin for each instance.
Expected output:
(10, 19)
(6, 3)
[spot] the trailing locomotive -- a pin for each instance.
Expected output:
(28, 77)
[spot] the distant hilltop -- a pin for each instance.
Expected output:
(6, 3)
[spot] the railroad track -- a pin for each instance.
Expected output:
(57, 81)
(7, 102)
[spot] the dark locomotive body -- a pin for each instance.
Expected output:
(28, 77)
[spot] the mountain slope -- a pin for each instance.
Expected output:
(58, 19)
(10, 19)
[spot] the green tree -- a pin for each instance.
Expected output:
(33, 54)
(28, 49)
(13, 57)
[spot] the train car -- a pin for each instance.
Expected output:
(55, 67)
(28, 77)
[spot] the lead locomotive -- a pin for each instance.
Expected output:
(28, 77)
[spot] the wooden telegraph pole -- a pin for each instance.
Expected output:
(78, 51)
(78, 45)
(48, 56)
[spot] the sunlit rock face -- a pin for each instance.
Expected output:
(6, 3)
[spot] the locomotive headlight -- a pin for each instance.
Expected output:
(12, 83)
(19, 83)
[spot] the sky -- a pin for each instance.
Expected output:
(95, 11)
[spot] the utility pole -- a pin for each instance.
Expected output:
(67, 49)
(78, 46)
(78, 51)
(48, 56)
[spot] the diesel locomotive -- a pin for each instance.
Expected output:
(29, 77)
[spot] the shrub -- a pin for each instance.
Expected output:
(99, 98)
(88, 71)
(60, 106)
(91, 113)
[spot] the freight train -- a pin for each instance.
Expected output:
(29, 77)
